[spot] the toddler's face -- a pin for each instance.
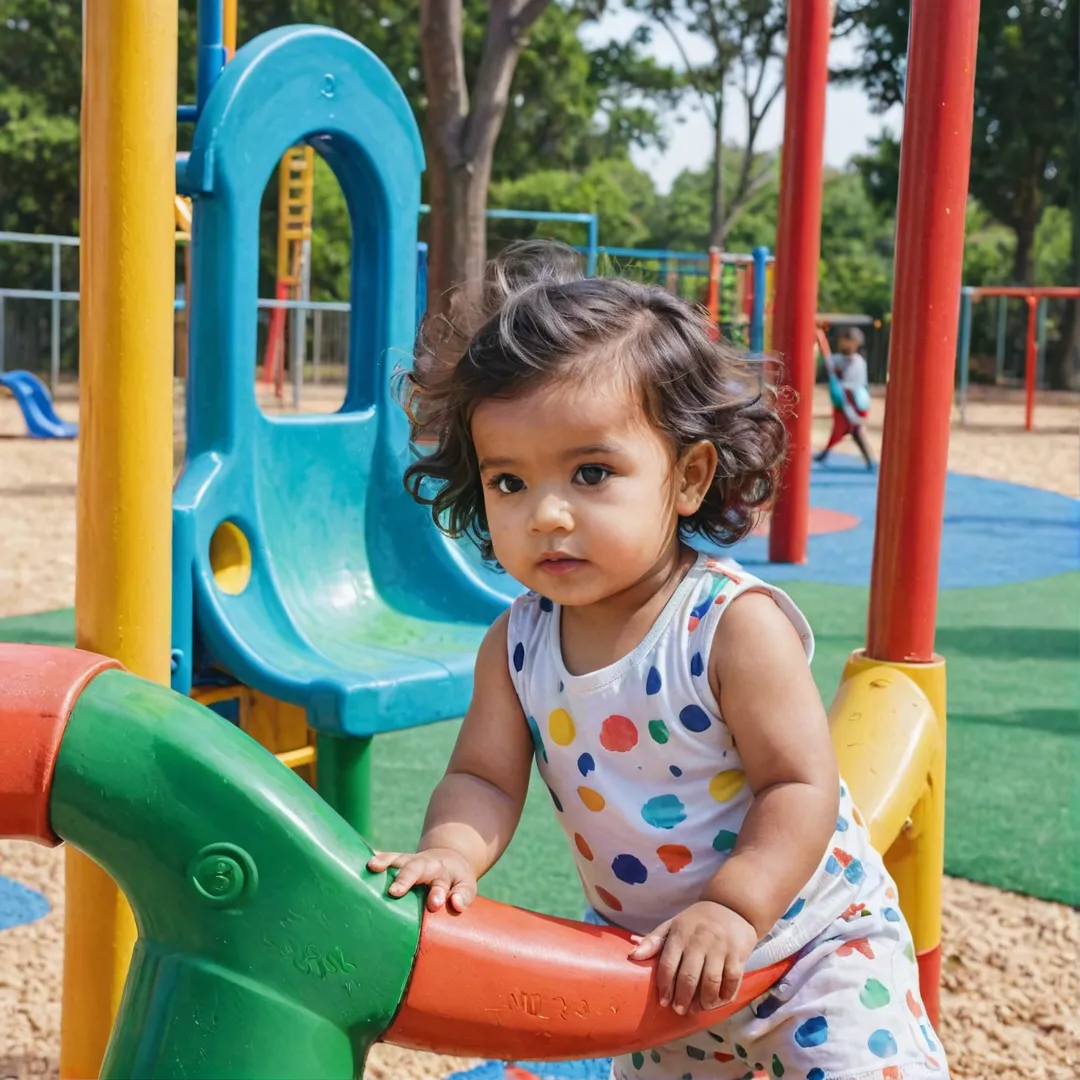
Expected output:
(582, 493)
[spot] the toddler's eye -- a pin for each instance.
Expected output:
(507, 483)
(591, 475)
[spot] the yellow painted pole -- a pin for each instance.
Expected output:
(229, 24)
(125, 434)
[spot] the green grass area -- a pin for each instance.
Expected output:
(1013, 796)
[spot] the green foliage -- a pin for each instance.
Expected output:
(855, 274)
(1025, 127)
(681, 220)
(40, 55)
(615, 189)
(989, 248)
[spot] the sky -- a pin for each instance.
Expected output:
(849, 123)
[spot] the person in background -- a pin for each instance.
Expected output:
(848, 388)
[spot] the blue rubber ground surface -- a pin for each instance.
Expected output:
(994, 533)
(19, 905)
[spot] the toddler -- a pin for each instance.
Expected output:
(587, 436)
(848, 388)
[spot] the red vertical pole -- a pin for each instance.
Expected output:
(1031, 362)
(712, 301)
(798, 247)
(934, 166)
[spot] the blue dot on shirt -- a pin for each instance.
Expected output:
(630, 869)
(855, 872)
(695, 718)
(664, 811)
(813, 1032)
(697, 665)
(585, 764)
(832, 865)
(816, 1074)
(891, 914)
(546, 604)
(653, 682)
(841, 824)
(766, 1008)
(537, 738)
(794, 909)
(882, 1044)
(675, 770)
(519, 656)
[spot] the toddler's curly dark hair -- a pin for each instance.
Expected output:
(541, 319)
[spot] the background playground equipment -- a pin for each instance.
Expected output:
(56, 296)
(1035, 298)
(36, 405)
(316, 589)
(296, 194)
(735, 289)
(244, 500)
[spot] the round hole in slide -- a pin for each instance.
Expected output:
(230, 558)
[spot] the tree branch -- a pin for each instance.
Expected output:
(527, 14)
(503, 43)
(443, 61)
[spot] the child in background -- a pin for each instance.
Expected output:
(849, 389)
(587, 433)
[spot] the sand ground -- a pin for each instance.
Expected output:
(1011, 993)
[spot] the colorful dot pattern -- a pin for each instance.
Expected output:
(643, 773)
(848, 1012)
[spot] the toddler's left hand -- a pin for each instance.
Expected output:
(703, 953)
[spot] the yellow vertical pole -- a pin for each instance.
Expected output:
(125, 434)
(229, 24)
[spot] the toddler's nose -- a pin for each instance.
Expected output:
(552, 513)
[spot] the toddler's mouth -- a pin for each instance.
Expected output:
(559, 563)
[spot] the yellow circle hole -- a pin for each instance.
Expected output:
(230, 558)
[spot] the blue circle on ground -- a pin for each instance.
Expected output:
(19, 905)
(993, 533)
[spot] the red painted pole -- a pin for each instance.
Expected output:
(798, 247)
(712, 300)
(934, 167)
(1030, 363)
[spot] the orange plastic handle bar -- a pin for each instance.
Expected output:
(499, 982)
(39, 685)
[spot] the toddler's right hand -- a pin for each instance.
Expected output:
(445, 871)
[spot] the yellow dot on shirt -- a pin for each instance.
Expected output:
(593, 800)
(724, 786)
(561, 727)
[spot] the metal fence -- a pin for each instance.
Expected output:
(39, 326)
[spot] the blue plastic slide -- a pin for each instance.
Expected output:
(37, 407)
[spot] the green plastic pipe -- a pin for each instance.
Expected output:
(266, 948)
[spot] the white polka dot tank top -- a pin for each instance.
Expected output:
(645, 777)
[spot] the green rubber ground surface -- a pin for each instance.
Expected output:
(1013, 795)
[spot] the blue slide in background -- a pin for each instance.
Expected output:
(37, 407)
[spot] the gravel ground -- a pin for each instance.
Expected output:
(1011, 995)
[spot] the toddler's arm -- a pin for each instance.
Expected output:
(475, 809)
(769, 701)
(760, 677)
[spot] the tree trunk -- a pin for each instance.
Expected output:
(1023, 268)
(458, 237)
(461, 137)
(716, 217)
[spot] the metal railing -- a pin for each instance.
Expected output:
(335, 334)
(55, 295)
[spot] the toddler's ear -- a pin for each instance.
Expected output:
(694, 475)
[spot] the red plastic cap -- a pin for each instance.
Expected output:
(39, 685)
